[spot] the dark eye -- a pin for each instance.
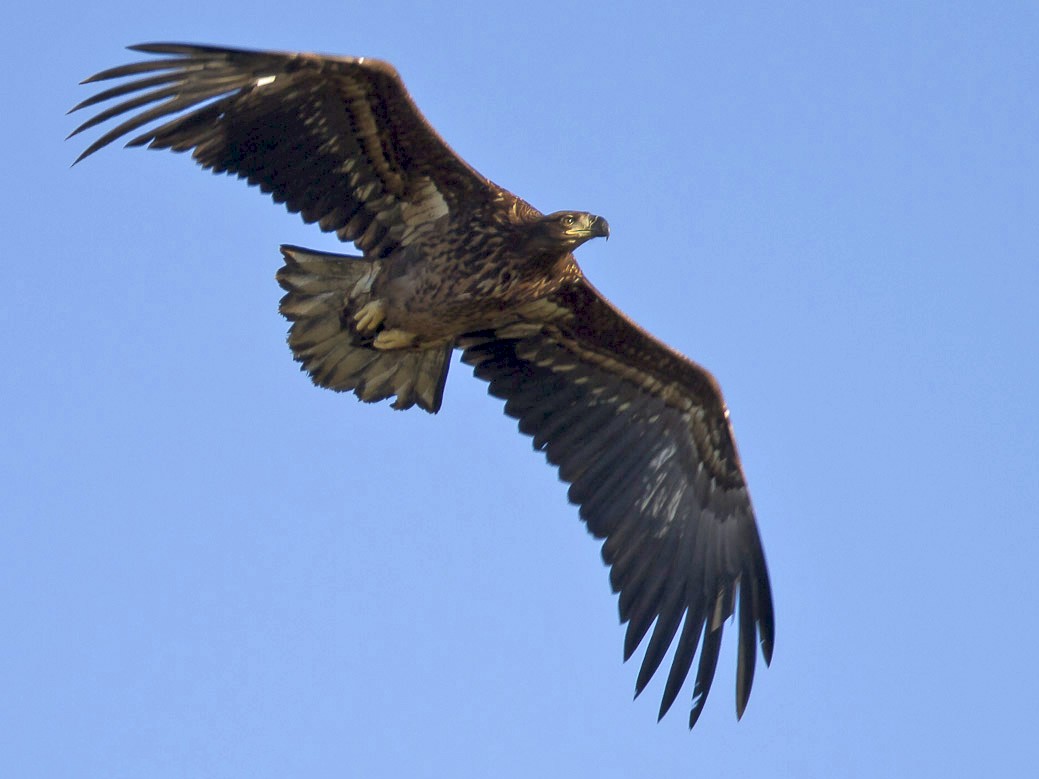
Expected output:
(569, 219)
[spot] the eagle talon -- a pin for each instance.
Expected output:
(394, 339)
(370, 316)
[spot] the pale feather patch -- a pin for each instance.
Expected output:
(519, 330)
(424, 208)
(544, 310)
(661, 457)
(363, 287)
(364, 192)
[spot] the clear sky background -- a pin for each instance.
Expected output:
(210, 568)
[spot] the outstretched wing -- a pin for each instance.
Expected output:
(642, 435)
(336, 139)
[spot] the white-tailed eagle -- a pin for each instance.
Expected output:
(452, 261)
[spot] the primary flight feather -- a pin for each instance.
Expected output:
(451, 260)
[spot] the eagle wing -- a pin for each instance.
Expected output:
(337, 139)
(643, 437)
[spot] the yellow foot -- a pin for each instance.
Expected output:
(370, 316)
(394, 339)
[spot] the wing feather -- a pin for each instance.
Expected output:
(643, 436)
(337, 139)
(672, 608)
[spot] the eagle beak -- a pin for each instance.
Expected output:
(599, 228)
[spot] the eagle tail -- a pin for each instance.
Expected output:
(322, 292)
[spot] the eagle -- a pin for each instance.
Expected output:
(449, 260)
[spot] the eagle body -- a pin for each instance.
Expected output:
(449, 260)
(460, 281)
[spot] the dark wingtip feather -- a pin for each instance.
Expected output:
(709, 652)
(766, 652)
(747, 652)
(134, 68)
(697, 710)
(761, 593)
(165, 47)
(637, 629)
(767, 631)
(86, 152)
(663, 633)
(159, 47)
(683, 658)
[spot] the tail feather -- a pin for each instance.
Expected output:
(322, 292)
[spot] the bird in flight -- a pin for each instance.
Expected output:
(450, 260)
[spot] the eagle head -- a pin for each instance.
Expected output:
(567, 230)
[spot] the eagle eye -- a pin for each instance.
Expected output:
(568, 220)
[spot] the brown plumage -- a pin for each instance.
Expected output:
(451, 260)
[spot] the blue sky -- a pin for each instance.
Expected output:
(208, 567)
